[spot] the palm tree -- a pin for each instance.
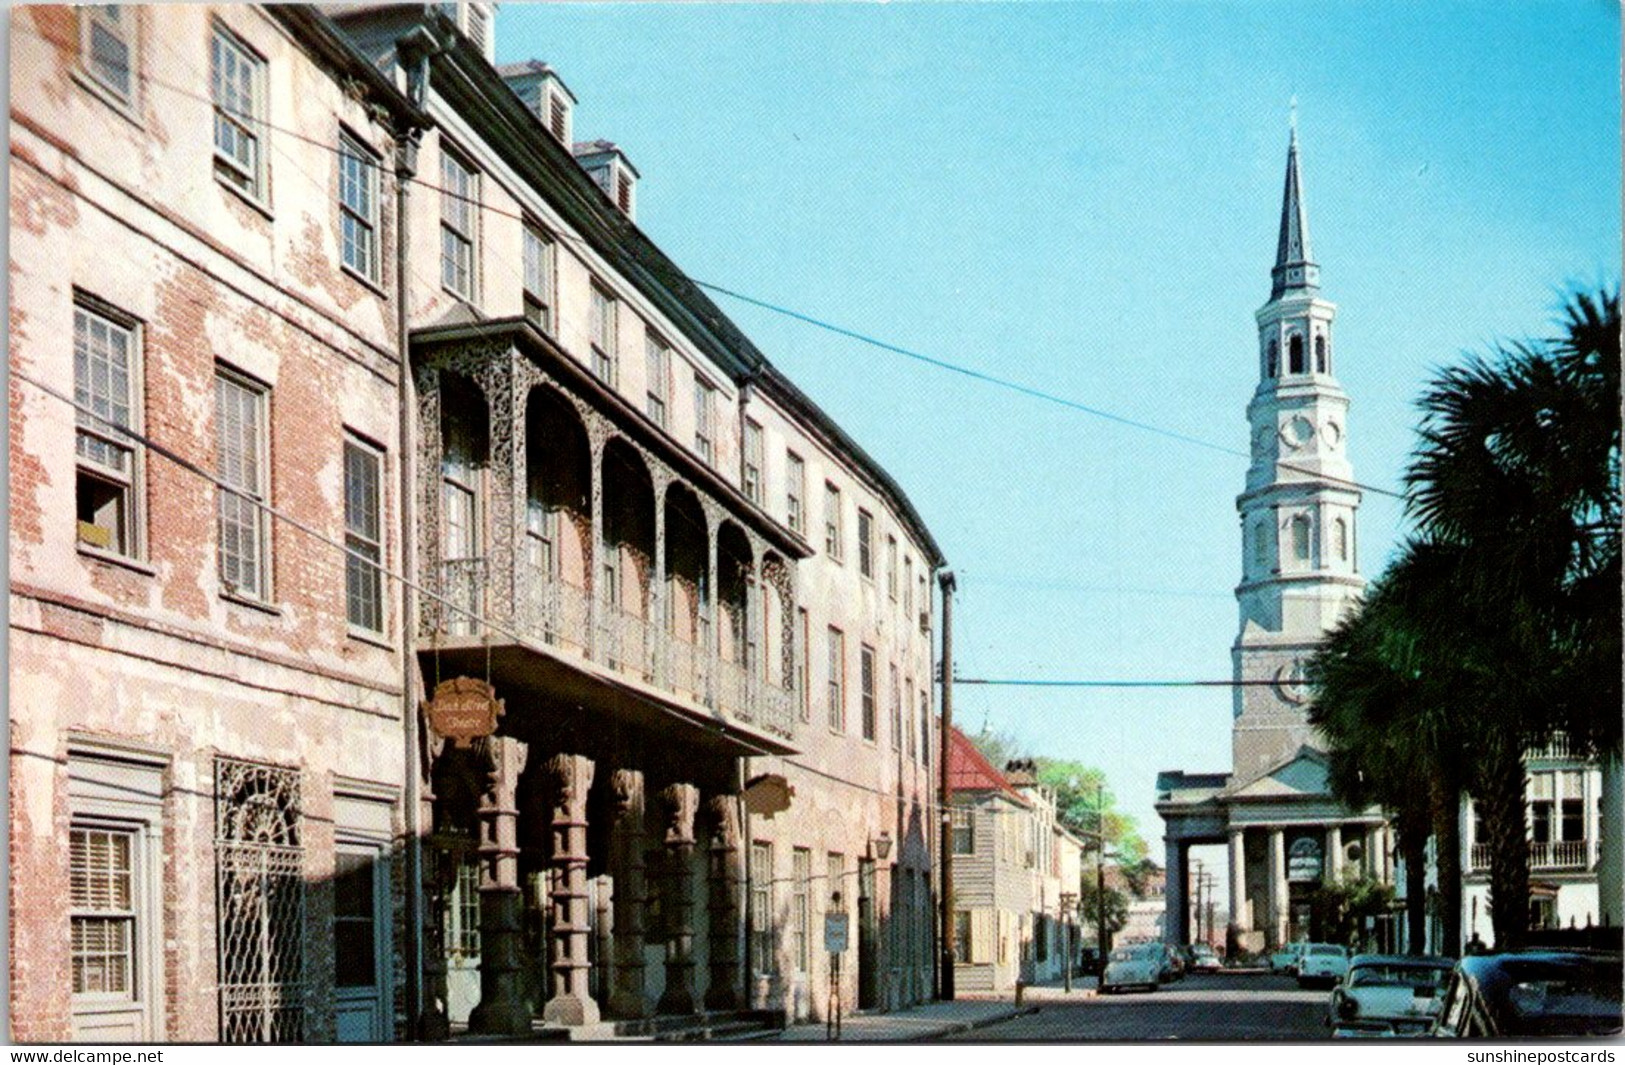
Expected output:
(1518, 474)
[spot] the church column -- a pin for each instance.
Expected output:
(1240, 920)
(502, 1009)
(1176, 908)
(626, 997)
(1334, 853)
(1279, 907)
(722, 899)
(570, 776)
(679, 802)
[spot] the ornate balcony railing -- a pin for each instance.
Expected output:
(559, 614)
(1563, 854)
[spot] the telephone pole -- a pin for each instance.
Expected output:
(946, 580)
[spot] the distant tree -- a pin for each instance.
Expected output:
(1078, 789)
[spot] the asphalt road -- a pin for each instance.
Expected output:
(1205, 1007)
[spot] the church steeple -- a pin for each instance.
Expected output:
(1295, 268)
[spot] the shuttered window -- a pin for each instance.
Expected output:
(363, 535)
(102, 901)
(244, 528)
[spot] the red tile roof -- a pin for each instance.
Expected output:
(969, 769)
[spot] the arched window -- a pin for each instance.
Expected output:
(1261, 545)
(1273, 366)
(1295, 354)
(1300, 538)
(1320, 354)
(1341, 535)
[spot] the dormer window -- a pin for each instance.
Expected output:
(558, 115)
(540, 89)
(473, 19)
(612, 172)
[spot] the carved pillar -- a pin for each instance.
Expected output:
(570, 776)
(438, 871)
(722, 899)
(431, 615)
(502, 1009)
(626, 997)
(679, 803)
(594, 546)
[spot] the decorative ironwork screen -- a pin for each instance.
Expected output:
(260, 902)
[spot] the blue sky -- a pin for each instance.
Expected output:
(1084, 197)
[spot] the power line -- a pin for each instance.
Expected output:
(1033, 682)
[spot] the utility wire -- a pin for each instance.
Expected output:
(864, 338)
(1029, 682)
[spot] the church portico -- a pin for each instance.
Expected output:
(1286, 837)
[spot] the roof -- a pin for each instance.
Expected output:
(1294, 262)
(969, 769)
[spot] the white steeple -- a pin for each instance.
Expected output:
(1299, 562)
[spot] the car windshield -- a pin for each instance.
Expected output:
(1419, 976)
(1321, 950)
(1123, 954)
(1202, 950)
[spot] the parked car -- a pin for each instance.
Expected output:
(1388, 995)
(1532, 993)
(1137, 966)
(1204, 959)
(1322, 963)
(1286, 959)
(1090, 961)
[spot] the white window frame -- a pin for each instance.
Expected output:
(128, 484)
(459, 224)
(247, 177)
(657, 374)
(868, 697)
(257, 494)
(866, 545)
(601, 331)
(96, 16)
(836, 680)
(834, 535)
(795, 492)
(359, 169)
(764, 955)
(704, 422)
(801, 909)
(358, 540)
(751, 462)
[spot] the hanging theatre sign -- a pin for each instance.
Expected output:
(463, 709)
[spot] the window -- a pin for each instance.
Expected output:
(1320, 354)
(832, 522)
(906, 711)
(623, 193)
(964, 826)
(1300, 538)
(908, 590)
(1273, 366)
(601, 328)
(925, 600)
(837, 680)
(801, 909)
(539, 263)
(795, 490)
(244, 528)
(1295, 353)
(1341, 532)
(896, 710)
(1261, 546)
(866, 543)
(459, 201)
(751, 476)
(355, 952)
(962, 935)
(658, 372)
(107, 478)
(102, 900)
(891, 567)
(363, 535)
(237, 86)
(763, 955)
(557, 114)
(107, 35)
(925, 727)
(702, 420)
(866, 689)
(358, 207)
(479, 29)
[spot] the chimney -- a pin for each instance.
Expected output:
(1022, 772)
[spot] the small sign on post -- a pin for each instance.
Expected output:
(835, 926)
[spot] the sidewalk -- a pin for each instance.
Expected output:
(933, 1020)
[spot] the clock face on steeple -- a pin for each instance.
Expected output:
(1297, 432)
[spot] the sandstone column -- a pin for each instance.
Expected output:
(502, 1009)
(722, 899)
(679, 802)
(571, 1004)
(1239, 918)
(1334, 854)
(626, 997)
(1280, 908)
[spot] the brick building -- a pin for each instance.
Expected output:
(707, 612)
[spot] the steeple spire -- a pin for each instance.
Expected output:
(1295, 267)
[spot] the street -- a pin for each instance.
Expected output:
(1208, 1007)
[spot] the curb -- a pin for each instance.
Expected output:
(971, 1026)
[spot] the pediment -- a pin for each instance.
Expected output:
(1304, 776)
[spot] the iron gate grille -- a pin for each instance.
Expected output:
(260, 902)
